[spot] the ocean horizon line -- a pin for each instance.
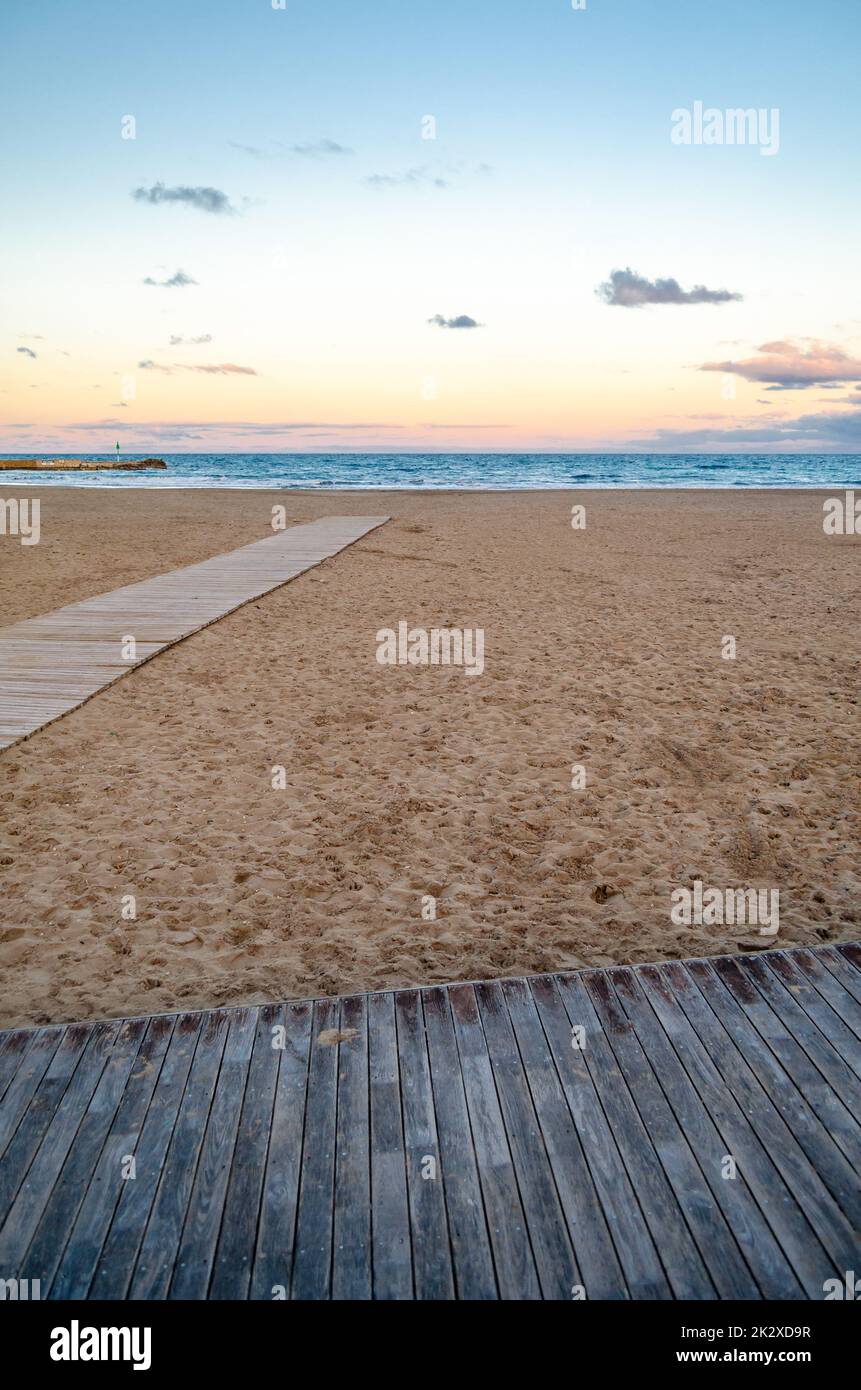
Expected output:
(445, 471)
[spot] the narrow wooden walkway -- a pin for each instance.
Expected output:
(687, 1130)
(51, 664)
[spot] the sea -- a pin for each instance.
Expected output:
(465, 471)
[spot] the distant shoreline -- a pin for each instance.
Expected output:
(64, 465)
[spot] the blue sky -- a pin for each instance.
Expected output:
(552, 166)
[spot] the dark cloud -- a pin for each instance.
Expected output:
(177, 281)
(28, 352)
(790, 366)
(204, 199)
(830, 426)
(827, 429)
(631, 291)
(461, 321)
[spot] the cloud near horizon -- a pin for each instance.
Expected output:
(205, 199)
(460, 321)
(827, 429)
(213, 368)
(788, 366)
(176, 340)
(164, 431)
(177, 281)
(629, 290)
(220, 369)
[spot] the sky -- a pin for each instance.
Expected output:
(466, 225)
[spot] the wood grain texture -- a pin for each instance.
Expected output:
(684, 1130)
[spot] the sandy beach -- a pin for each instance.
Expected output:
(602, 648)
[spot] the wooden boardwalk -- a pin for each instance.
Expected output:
(520, 1139)
(51, 664)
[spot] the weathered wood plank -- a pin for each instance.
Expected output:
(472, 1256)
(839, 965)
(13, 1046)
(196, 1254)
(515, 1263)
(57, 1220)
(803, 1182)
(828, 1107)
(234, 1259)
(161, 1242)
(56, 1138)
(821, 994)
(683, 1088)
(119, 1253)
(276, 1234)
(652, 1219)
(741, 1133)
(81, 1256)
(33, 1061)
(851, 952)
(548, 1231)
(54, 663)
(813, 1136)
(695, 1193)
(432, 1269)
(352, 1275)
(836, 1070)
(448, 1142)
(641, 1268)
(390, 1213)
(312, 1264)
